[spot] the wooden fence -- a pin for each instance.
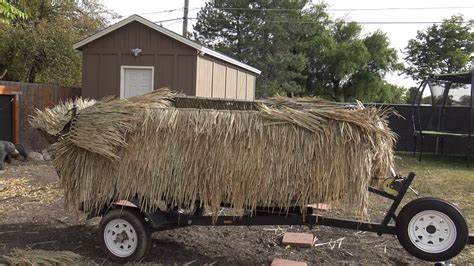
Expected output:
(37, 96)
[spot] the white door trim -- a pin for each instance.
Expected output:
(122, 77)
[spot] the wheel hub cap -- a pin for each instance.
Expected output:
(432, 231)
(120, 238)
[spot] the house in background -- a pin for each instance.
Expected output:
(136, 56)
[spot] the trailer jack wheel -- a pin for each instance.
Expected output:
(432, 229)
(124, 235)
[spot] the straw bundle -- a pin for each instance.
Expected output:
(275, 156)
(12, 188)
(52, 120)
(181, 101)
(44, 257)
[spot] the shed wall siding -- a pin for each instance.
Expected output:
(219, 79)
(90, 70)
(174, 62)
(218, 82)
(231, 83)
(109, 68)
(204, 77)
(162, 74)
(241, 85)
(250, 87)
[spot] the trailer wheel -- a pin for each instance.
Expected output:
(124, 235)
(432, 229)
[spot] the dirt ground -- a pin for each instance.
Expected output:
(32, 216)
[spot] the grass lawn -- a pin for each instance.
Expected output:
(440, 176)
(445, 177)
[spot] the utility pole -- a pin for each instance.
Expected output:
(185, 18)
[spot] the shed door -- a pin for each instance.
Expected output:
(136, 81)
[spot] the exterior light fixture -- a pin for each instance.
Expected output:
(136, 51)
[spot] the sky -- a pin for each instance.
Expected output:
(395, 11)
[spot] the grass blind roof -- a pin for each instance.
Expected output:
(287, 152)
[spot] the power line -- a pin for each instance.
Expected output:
(172, 23)
(347, 9)
(163, 11)
(167, 20)
(359, 22)
(399, 8)
(327, 9)
(330, 22)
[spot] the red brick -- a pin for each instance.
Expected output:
(303, 240)
(320, 206)
(282, 262)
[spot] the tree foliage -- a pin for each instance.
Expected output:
(465, 100)
(344, 66)
(300, 49)
(250, 32)
(410, 95)
(39, 49)
(444, 48)
(8, 12)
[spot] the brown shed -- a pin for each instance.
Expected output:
(135, 56)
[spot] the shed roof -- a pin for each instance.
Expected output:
(195, 45)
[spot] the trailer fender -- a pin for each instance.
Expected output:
(155, 219)
(125, 203)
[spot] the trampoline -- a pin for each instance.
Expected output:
(434, 124)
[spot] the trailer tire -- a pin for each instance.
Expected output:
(124, 235)
(432, 229)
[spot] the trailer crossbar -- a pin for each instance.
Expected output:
(308, 220)
(298, 216)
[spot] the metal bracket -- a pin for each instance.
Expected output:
(396, 202)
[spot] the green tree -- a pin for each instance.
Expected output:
(381, 92)
(438, 100)
(299, 49)
(257, 32)
(39, 49)
(465, 100)
(343, 66)
(444, 48)
(8, 12)
(410, 95)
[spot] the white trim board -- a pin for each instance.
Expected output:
(198, 47)
(122, 77)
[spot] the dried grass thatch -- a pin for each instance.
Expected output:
(275, 156)
(181, 101)
(13, 188)
(53, 120)
(44, 257)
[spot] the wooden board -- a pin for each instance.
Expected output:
(15, 93)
